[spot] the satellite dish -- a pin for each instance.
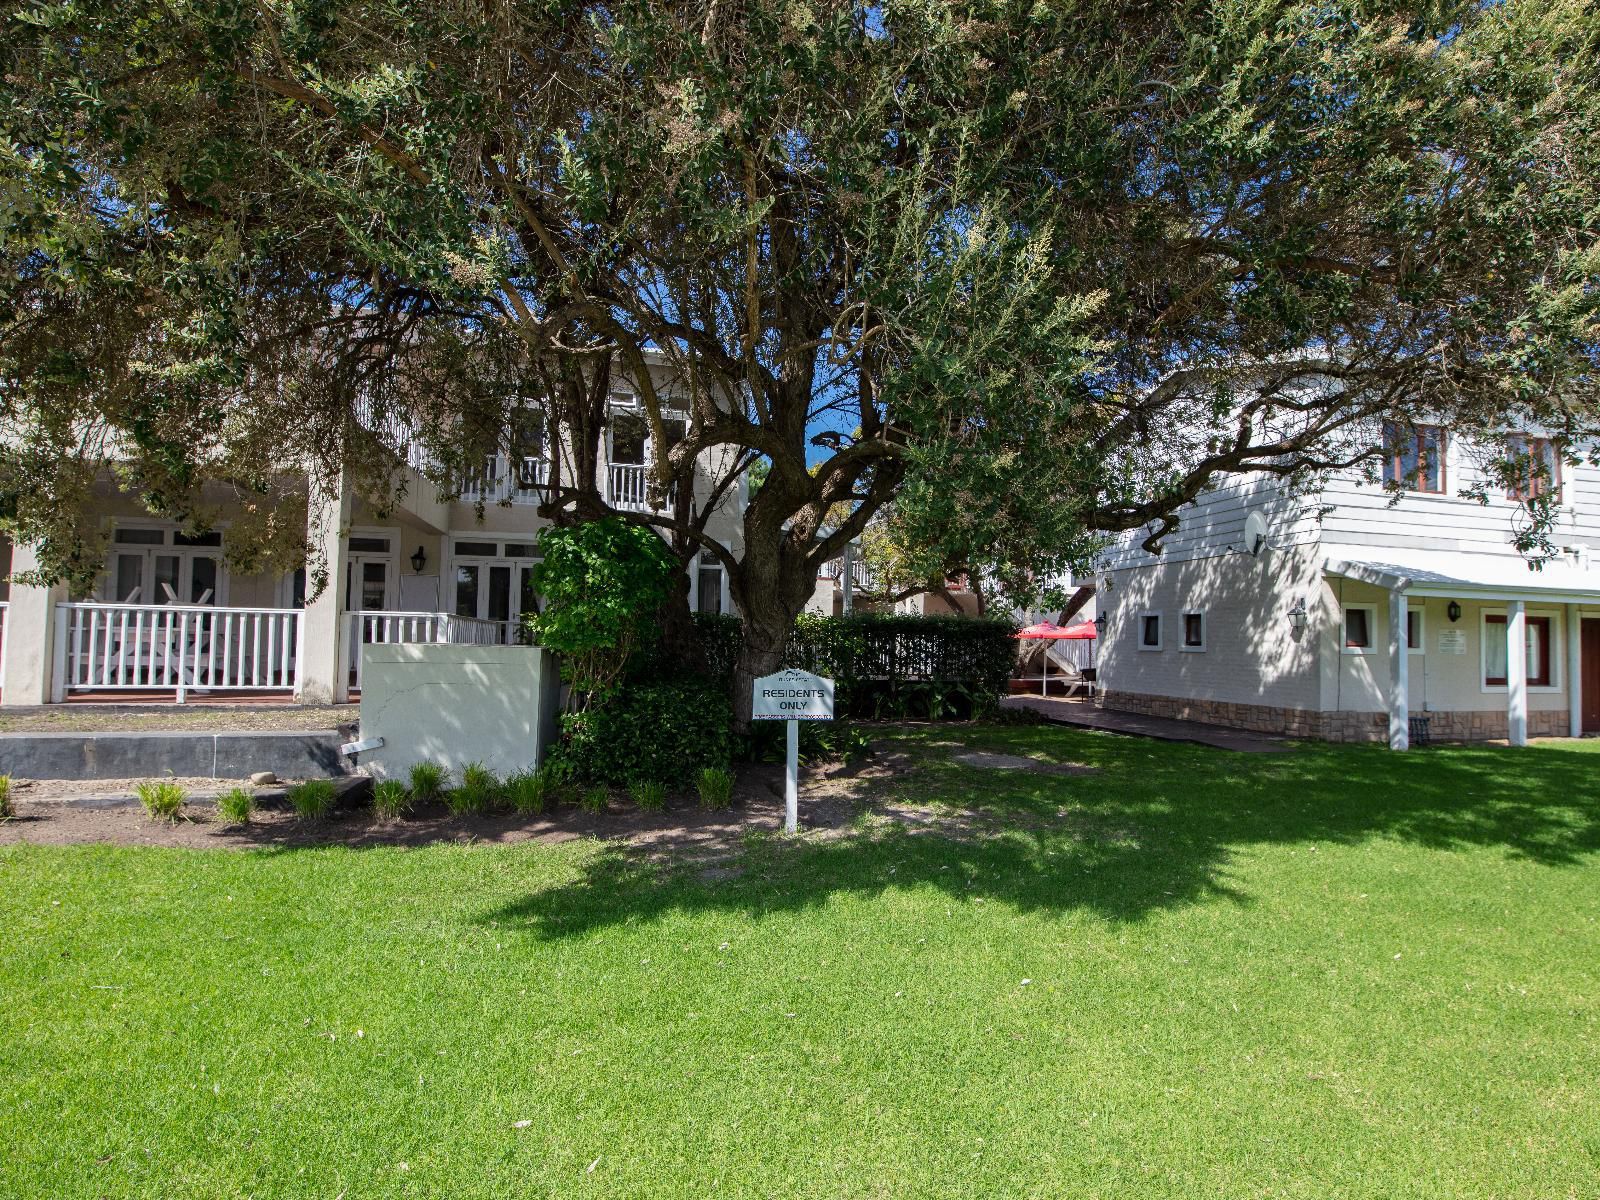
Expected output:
(1255, 533)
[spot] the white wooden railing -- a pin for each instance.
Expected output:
(860, 574)
(129, 647)
(503, 481)
(371, 626)
(629, 488)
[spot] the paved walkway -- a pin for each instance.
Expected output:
(1083, 713)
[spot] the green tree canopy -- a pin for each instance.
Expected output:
(1055, 266)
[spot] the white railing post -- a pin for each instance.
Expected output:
(58, 655)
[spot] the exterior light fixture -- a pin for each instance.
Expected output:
(1298, 616)
(1453, 611)
(1100, 625)
(419, 560)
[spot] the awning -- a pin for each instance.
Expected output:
(1464, 576)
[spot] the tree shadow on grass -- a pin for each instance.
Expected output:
(1157, 827)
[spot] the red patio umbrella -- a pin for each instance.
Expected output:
(1044, 629)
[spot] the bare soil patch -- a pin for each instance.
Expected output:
(104, 811)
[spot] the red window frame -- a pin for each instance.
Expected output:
(1542, 678)
(1538, 449)
(1397, 440)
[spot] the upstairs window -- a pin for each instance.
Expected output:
(628, 435)
(1538, 466)
(1194, 631)
(1413, 457)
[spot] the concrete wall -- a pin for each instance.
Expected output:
(454, 705)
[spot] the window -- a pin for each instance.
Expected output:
(139, 536)
(369, 545)
(1149, 631)
(526, 435)
(477, 549)
(521, 550)
(1413, 457)
(627, 440)
(1415, 642)
(1358, 625)
(1538, 466)
(1194, 631)
(1496, 647)
(708, 584)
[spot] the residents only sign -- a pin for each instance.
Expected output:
(792, 696)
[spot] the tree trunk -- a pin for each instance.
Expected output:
(680, 640)
(769, 601)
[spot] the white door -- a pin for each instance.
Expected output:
(367, 587)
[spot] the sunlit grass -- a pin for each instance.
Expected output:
(1337, 972)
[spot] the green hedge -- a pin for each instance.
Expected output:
(661, 732)
(887, 665)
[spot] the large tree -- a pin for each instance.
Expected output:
(1033, 271)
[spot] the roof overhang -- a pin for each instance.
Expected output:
(1490, 577)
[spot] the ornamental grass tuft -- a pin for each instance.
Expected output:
(529, 792)
(390, 799)
(479, 791)
(163, 799)
(236, 806)
(312, 800)
(715, 785)
(428, 781)
(649, 794)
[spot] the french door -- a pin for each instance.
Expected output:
(367, 587)
(494, 590)
(159, 576)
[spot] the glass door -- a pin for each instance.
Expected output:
(367, 588)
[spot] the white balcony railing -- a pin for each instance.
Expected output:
(628, 487)
(373, 626)
(861, 575)
(504, 481)
(184, 648)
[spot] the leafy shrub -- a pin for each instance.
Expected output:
(390, 799)
(236, 806)
(661, 732)
(478, 793)
(885, 666)
(595, 799)
(603, 583)
(7, 808)
(162, 799)
(428, 781)
(312, 800)
(820, 741)
(529, 791)
(648, 794)
(715, 785)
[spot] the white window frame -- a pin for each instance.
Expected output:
(1161, 630)
(1372, 629)
(106, 587)
(1422, 629)
(1557, 645)
(1183, 630)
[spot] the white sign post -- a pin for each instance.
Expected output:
(792, 696)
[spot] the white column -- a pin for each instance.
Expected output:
(27, 674)
(1517, 673)
(1399, 674)
(1574, 634)
(324, 667)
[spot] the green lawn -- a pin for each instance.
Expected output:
(1331, 973)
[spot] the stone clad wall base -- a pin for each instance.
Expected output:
(1330, 726)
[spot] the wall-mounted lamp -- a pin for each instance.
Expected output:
(1298, 616)
(1453, 611)
(1100, 625)
(419, 560)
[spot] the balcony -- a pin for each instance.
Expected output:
(507, 481)
(628, 488)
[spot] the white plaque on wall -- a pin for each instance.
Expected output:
(1452, 641)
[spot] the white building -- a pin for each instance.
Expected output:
(1344, 614)
(167, 618)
